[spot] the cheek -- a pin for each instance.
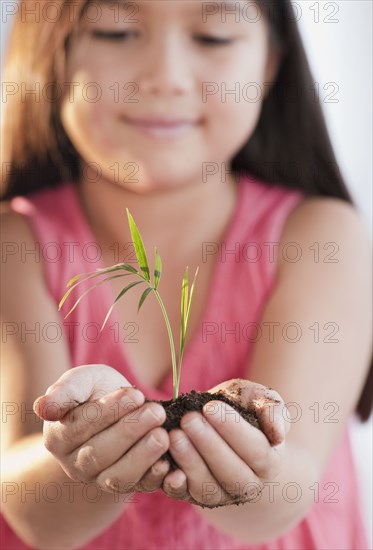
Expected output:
(91, 132)
(235, 102)
(88, 103)
(92, 78)
(234, 110)
(234, 125)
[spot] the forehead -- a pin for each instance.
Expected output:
(193, 7)
(244, 16)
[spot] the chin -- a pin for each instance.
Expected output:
(149, 182)
(149, 186)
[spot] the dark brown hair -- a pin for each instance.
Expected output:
(290, 145)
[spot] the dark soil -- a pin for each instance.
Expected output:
(194, 401)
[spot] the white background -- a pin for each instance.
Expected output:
(340, 52)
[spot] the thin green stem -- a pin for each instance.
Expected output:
(181, 353)
(172, 346)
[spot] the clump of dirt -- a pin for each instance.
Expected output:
(194, 401)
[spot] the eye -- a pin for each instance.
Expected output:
(213, 40)
(111, 35)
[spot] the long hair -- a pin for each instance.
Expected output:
(290, 144)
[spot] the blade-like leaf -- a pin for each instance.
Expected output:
(125, 267)
(98, 271)
(91, 288)
(185, 310)
(191, 295)
(88, 276)
(139, 246)
(121, 293)
(184, 300)
(143, 297)
(157, 269)
(79, 276)
(130, 268)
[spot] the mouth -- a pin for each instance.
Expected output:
(162, 128)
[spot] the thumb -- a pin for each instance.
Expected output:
(76, 386)
(266, 403)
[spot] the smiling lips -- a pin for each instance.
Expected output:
(162, 128)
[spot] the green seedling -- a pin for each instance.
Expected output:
(143, 273)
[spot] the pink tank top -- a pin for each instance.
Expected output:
(219, 350)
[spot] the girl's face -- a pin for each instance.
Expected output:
(173, 87)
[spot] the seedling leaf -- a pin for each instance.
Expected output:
(157, 269)
(121, 293)
(88, 276)
(95, 273)
(91, 288)
(139, 246)
(143, 297)
(130, 268)
(191, 294)
(185, 309)
(184, 301)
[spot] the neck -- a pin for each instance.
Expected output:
(189, 214)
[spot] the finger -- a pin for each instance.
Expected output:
(79, 425)
(238, 478)
(107, 447)
(201, 484)
(271, 412)
(75, 386)
(175, 485)
(247, 442)
(131, 467)
(152, 480)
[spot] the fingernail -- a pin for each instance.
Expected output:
(160, 468)
(180, 443)
(138, 396)
(177, 482)
(151, 415)
(213, 409)
(154, 443)
(194, 425)
(37, 402)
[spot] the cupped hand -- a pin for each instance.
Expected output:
(101, 431)
(222, 458)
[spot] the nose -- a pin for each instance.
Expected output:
(166, 69)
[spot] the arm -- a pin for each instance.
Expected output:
(28, 368)
(306, 371)
(43, 505)
(46, 508)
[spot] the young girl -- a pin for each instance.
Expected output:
(201, 119)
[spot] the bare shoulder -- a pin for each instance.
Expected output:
(327, 230)
(17, 237)
(13, 224)
(15, 230)
(334, 262)
(326, 213)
